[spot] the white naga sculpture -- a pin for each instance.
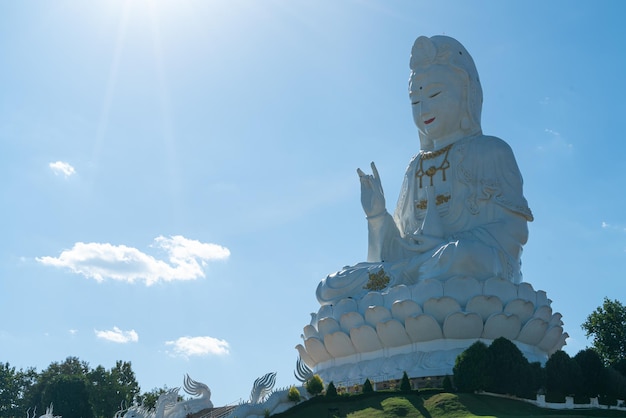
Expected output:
(49, 413)
(168, 406)
(444, 270)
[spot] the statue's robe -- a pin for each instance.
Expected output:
(475, 203)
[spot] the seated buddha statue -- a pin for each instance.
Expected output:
(461, 209)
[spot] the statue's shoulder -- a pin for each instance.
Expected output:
(486, 146)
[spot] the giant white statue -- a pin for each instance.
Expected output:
(444, 270)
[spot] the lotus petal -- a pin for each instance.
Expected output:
(392, 333)
(310, 331)
(351, 320)
(542, 298)
(525, 291)
(462, 289)
(501, 288)
(461, 325)
(427, 289)
(344, 306)
(365, 339)
(400, 292)
(502, 325)
(376, 314)
(316, 350)
(522, 308)
(440, 308)
(339, 344)
(402, 309)
(306, 358)
(423, 328)
(559, 344)
(555, 321)
(370, 299)
(485, 306)
(533, 331)
(552, 337)
(544, 312)
(326, 311)
(327, 326)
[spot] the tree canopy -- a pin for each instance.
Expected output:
(607, 325)
(72, 386)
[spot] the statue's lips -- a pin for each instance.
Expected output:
(426, 122)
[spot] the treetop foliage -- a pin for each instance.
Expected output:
(607, 325)
(74, 388)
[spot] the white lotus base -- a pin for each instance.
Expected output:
(421, 329)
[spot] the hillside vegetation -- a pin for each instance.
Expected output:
(428, 404)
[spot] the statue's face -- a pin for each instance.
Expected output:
(437, 98)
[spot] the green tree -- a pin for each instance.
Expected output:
(563, 376)
(405, 383)
(470, 368)
(367, 386)
(315, 385)
(148, 399)
(607, 325)
(331, 390)
(12, 383)
(112, 389)
(70, 396)
(615, 387)
(34, 395)
(447, 384)
(593, 372)
(507, 368)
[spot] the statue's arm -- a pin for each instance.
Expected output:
(382, 235)
(382, 230)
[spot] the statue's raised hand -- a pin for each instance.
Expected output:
(372, 196)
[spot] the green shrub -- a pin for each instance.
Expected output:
(405, 384)
(367, 386)
(331, 391)
(315, 385)
(470, 368)
(294, 394)
(447, 384)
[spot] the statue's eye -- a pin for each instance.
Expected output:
(416, 102)
(435, 94)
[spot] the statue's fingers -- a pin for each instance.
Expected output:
(374, 170)
(360, 172)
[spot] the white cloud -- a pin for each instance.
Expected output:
(186, 259)
(556, 144)
(116, 335)
(73, 331)
(199, 346)
(61, 167)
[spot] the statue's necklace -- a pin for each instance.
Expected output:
(432, 170)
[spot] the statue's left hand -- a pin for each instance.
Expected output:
(372, 196)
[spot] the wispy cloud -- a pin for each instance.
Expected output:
(606, 225)
(555, 143)
(116, 335)
(199, 346)
(62, 168)
(73, 331)
(186, 260)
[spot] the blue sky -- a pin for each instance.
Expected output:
(179, 175)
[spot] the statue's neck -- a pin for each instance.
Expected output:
(427, 144)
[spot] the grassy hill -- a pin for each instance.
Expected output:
(428, 404)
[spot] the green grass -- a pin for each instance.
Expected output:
(429, 404)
